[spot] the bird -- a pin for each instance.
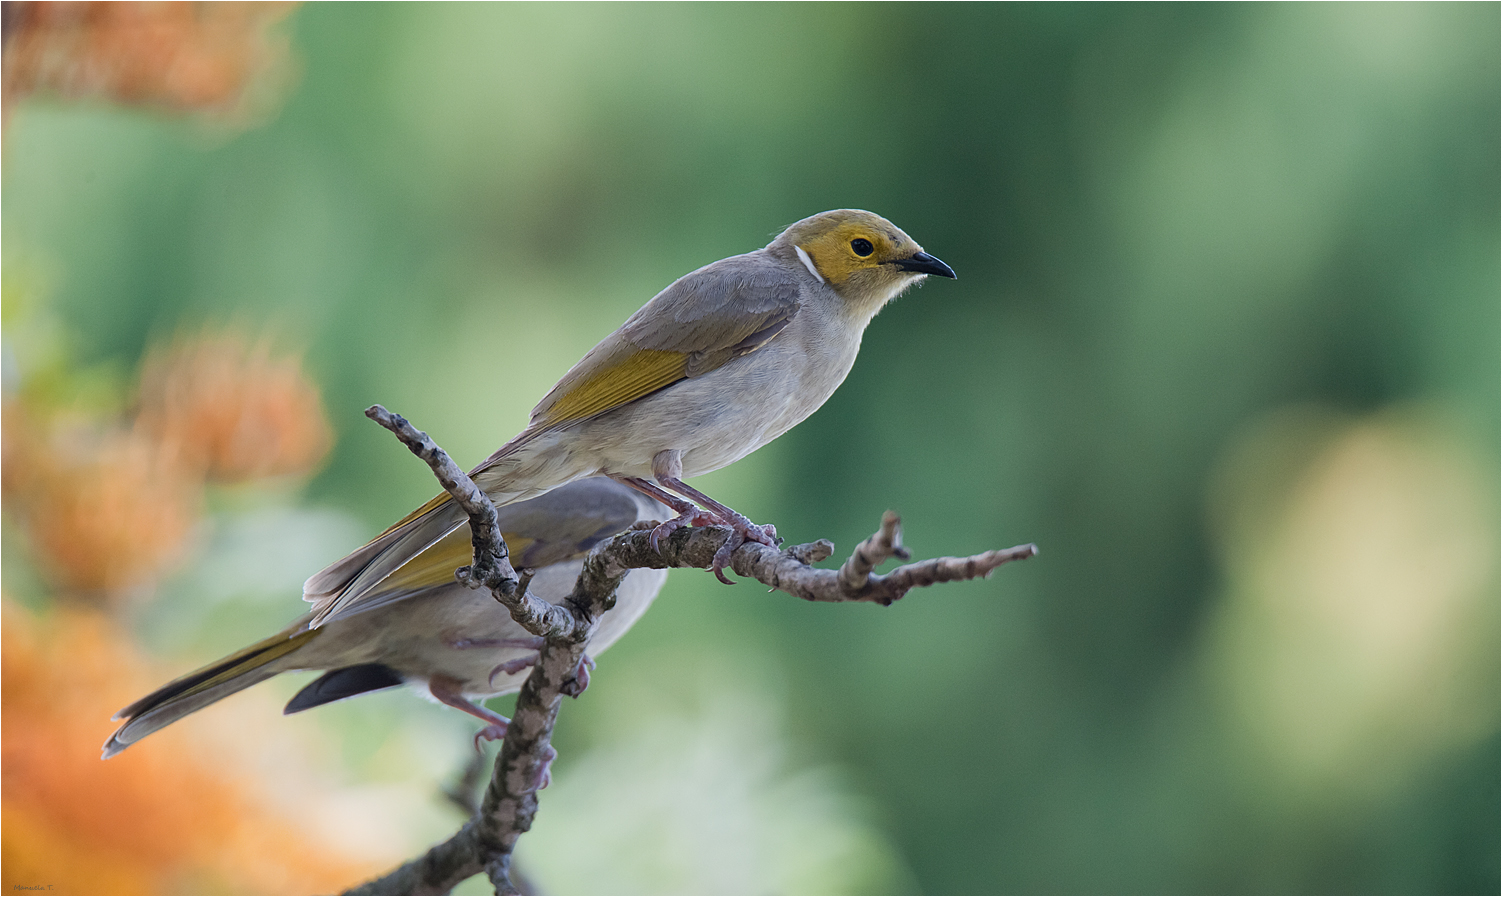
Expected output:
(451, 643)
(721, 362)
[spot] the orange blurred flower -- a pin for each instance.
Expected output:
(18, 436)
(173, 819)
(233, 410)
(221, 58)
(105, 511)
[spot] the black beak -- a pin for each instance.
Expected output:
(923, 263)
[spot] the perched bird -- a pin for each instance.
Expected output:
(723, 361)
(451, 642)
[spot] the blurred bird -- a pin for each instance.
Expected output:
(451, 642)
(723, 361)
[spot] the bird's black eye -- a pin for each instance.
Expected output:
(862, 246)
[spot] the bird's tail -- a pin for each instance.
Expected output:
(203, 687)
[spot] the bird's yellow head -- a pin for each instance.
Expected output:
(863, 256)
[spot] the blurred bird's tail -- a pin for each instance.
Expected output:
(203, 687)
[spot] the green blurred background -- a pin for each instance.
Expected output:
(1224, 343)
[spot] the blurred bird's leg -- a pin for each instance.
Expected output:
(446, 690)
(667, 468)
(575, 686)
(689, 514)
(515, 665)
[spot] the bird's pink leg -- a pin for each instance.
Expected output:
(667, 468)
(689, 514)
(514, 665)
(741, 527)
(446, 689)
(766, 534)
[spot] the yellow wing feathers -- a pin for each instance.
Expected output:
(640, 373)
(701, 322)
(436, 565)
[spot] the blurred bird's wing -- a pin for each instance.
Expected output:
(558, 525)
(702, 321)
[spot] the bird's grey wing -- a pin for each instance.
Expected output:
(702, 321)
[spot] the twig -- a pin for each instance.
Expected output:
(510, 803)
(491, 568)
(789, 570)
(486, 841)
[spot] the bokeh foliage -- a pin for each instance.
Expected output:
(1177, 229)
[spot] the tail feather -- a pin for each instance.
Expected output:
(203, 687)
(336, 685)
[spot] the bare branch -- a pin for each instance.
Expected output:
(491, 568)
(789, 570)
(435, 872)
(510, 802)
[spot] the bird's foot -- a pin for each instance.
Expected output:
(450, 691)
(515, 665)
(575, 685)
(693, 517)
(741, 531)
(700, 511)
(492, 732)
